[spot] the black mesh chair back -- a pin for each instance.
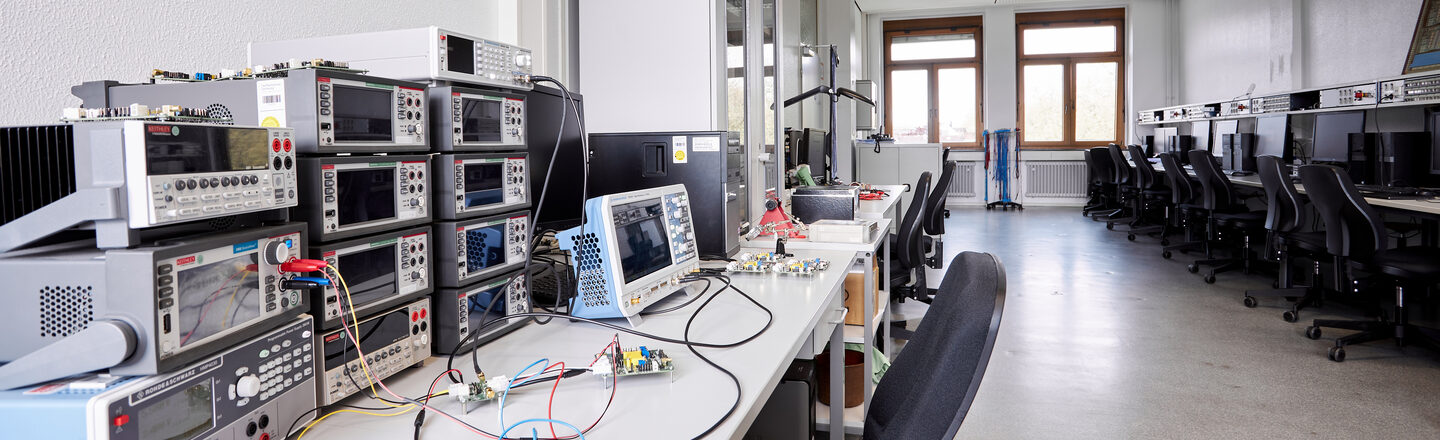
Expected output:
(1353, 228)
(909, 245)
(935, 205)
(1144, 173)
(929, 389)
(1284, 211)
(1182, 189)
(1103, 164)
(1122, 169)
(1215, 188)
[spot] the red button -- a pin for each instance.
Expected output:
(414, 316)
(275, 146)
(422, 313)
(122, 419)
(287, 145)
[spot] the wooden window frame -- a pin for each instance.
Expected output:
(937, 26)
(1068, 19)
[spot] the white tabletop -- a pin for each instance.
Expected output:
(874, 209)
(767, 242)
(645, 406)
(1415, 206)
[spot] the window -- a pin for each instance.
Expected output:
(1071, 85)
(932, 80)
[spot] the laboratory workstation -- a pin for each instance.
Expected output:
(720, 219)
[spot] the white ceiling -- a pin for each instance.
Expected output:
(874, 6)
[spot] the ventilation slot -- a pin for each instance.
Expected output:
(962, 184)
(1055, 179)
(590, 268)
(219, 111)
(65, 310)
(37, 167)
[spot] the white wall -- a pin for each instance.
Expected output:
(50, 46)
(1279, 45)
(651, 65)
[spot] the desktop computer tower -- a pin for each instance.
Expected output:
(1181, 146)
(1400, 158)
(1148, 142)
(1239, 151)
(711, 165)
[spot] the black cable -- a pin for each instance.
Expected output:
(681, 306)
(735, 380)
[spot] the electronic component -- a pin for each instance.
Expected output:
(418, 54)
(1270, 104)
(810, 204)
(468, 185)
(1147, 117)
(637, 361)
(1174, 114)
(121, 176)
(331, 111)
(477, 120)
(146, 310)
(770, 262)
(1235, 108)
(276, 70)
(470, 250)
(474, 392)
(1200, 111)
(253, 390)
(382, 270)
(1364, 94)
(711, 165)
(140, 112)
(1413, 89)
(392, 341)
(459, 312)
(631, 251)
(350, 196)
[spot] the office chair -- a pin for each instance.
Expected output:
(1223, 212)
(1354, 230)
(1185, 199)
(1285, 217)
(1095, 189)
(1106, 168)
(1125, 188)
(1150, 193)
(935, 214)
(928, 390)
(908, 252)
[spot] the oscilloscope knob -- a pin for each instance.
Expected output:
(247, 386)
(276, 252)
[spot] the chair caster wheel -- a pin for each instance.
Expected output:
(1290, 316)
(1337, 354)
(1130, 237)
(1210, 279)
(1110, 226)
(1165, 255)
(1164, 242)
(1312, 332)
(1193, 268)
(1250, 302)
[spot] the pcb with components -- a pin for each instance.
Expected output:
(770, 262)
(637, 361)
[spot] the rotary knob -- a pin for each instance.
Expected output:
(277, 252)
(247, 386)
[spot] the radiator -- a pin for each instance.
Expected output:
(1055, 179)
(962, 184)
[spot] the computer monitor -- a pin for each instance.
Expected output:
(1332, 135)
(813, 153)
(1272, 137)
(631, 251)
(1200, 132)
(563, 200)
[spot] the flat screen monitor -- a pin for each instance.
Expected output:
(1332, 135)
(813, 152)
(1200, 133)
(1272, 137)
(563, 201)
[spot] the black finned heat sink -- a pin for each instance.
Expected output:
(37, 167)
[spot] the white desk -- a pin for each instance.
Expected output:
(646, 406)
(1416, 207)
(875, 209)
(875, 321)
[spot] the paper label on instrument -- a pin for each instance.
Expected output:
(678, 149)
(706, 143)
(270, 100)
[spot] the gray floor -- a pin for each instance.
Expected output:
(1101, 338)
